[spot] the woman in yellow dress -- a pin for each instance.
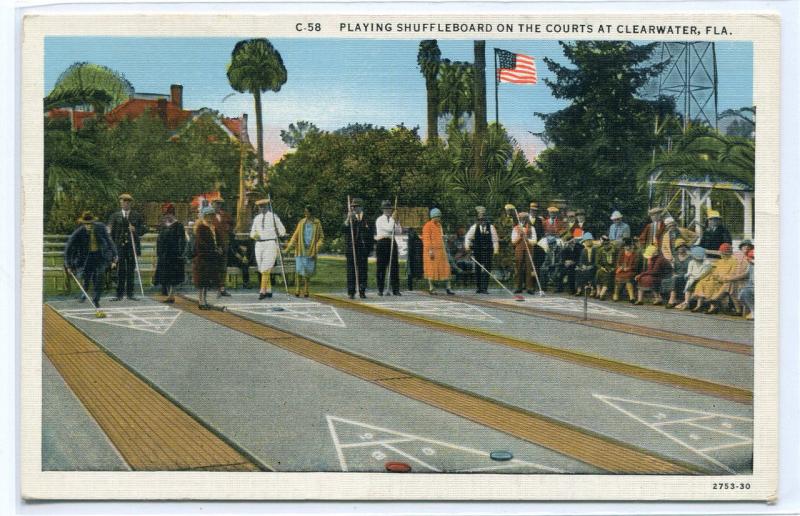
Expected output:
(435, 265)
(305, 243)
(718, 283)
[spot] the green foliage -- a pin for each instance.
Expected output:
(87, 169)
(429, 60)
(85, 78)
(255, 67)
(296, 132)
(607, 133)
(100, 100)
(703, 153)
(455, 84)
(372, 164)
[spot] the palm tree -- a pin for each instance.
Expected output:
(429, 60)
(479, 98)
(455, 89)
(100, 100)
(87, 77)
(704, 153)
(255, 67)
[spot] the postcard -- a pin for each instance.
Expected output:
(400, 257)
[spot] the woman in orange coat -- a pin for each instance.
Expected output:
(436, 265)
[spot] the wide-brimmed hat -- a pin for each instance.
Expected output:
(435, 212)
(480, 210)
(86, 217)
(509, 207)
(616, 215)
(125, 197)
(207, 210)
(218, 199)
(386, 205)
(522, 215)
(262, 202)
(586, 236)
(655, 211)
(570, 213)
(605, 238)
(650, 251)
(533, 205)
(745, 242)
(552, 208)
(713, 214)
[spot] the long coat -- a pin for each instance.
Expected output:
(627, 266)
(77, 249)
(646, 236)
(297, 242)
(656, 268)
(223, 223)
(120, 234)
(207, 261)
(170, 248)
(438, 267)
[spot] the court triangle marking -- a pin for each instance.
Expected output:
(359, 441)
(449, 309)
(153, 319)
(701, 432)
(312, 312)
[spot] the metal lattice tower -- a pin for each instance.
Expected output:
(691, 79)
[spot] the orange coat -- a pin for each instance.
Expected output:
(438, 267)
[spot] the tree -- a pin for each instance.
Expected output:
(455, 84)
(84, 78)
(479, 97)
(607, 132)
(100, 100)
(429, 60)
(297, 132)
(256, 67)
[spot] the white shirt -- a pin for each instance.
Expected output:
(384, 226)
(470, 237)
(516, 235)
(264, 227)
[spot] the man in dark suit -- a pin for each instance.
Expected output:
(715, 234)
(89, 251)
(126, 228)
(359, 238)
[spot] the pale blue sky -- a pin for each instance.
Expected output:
(333, 82)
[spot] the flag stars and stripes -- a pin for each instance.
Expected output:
(515, 68)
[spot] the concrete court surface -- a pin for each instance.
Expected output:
(648, 415)
(664, 355)
(686, 322)
(290, 412)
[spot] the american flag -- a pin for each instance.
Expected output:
(515, 68)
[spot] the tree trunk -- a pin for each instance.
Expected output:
(259, 138)
(433, 111)
(479, 96)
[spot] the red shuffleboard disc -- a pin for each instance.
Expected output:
(397, 467)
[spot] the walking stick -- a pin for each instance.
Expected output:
(278, 243)
(97, 312)
(516, 297)
(136, 259)
(353, 242)
(530, 256)
(391, 251)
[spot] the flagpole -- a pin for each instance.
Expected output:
(496, 105)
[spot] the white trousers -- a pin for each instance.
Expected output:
(266, 254)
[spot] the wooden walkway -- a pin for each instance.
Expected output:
(150, 432)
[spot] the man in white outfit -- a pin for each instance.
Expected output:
(266, 230)
(387, 228)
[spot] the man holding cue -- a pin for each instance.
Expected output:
(126, 228)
